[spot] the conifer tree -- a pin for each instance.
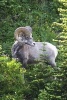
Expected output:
(62, 39)
(60, 85)
(57, 90)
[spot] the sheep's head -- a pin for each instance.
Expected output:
(24, 35)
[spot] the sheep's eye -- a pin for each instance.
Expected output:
(27, 37)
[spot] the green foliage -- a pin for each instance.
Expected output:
(11, 79)
(44, 95)
(63, 49)
(37, 78)
(38, 82)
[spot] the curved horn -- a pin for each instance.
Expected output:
(20, 31)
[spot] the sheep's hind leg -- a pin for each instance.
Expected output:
(52, 63)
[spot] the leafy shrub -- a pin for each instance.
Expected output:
(11, 79)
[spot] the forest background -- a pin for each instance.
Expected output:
(48, 19)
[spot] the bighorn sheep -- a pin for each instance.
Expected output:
(28, 54)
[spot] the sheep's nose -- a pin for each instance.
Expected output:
(33, 43)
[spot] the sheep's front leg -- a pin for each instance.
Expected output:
(25, 63)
